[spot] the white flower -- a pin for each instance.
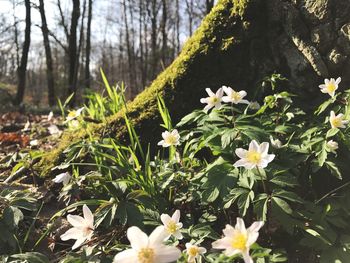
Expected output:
(172, 225)
(337, 121)
(275, 143)
(170, 138)
(332, 146)
(254, 105)
(238, 239)
(74, 114)
(34, 142)
(49, 117)
(54, 130)
(214, 100)
(234, 96)
(146, 249)
(83, 228)
(62, 178)
(330, 86)
(194, 252)
(255, 156)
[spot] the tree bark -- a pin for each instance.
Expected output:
(88, 46)
(72, 49)
(164, 31)
(49, 67)
(238, 44)
(22, 69)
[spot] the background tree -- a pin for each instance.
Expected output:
(22, 69)
(49, 66)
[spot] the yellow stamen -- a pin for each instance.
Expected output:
(236, 96)
(331, 87)
(170, 139)
(192, 251)
(171, 227)
(239, 241)
(254, 157)
(146, 255)
(214, 99)
(336, 122)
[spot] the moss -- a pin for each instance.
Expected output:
(208, 59)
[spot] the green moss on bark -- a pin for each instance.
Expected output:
(212, 57)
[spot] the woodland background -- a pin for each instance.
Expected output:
(53, 48)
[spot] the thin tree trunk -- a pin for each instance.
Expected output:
(22, 69)
(128, 46)
(177, 27)
(88, 46)
(164, 32)
(142, 68)
(81, 40)
(209, 5)
(72, 88)
(49, 67)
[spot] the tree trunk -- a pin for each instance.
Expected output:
(49, 67)
(88, 46)
(238, 44)
(164, 31)
(209, 4)
(22, 69)
(72, 50)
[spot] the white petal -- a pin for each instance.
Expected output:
(226, 99)
(158, 235)
(253, 146)
(72, 233)
(167, 254)
(76, 221)
(228, 231)
(242, 93)
(59, 178)
(244, 101)
(178, 235)
(337, 81)
(165, 134)
(210, 93)
(78, 243)
(326, 81)
(202, 250)
(231, 252)
(89, 217)
(332, 114)
(161, 143)
(174, 132)
(218, 105)
(241, 153)
(204, 100)
(227, 90)
(208, 107)
(176, 216)
(247, 258)
(240, 225)
(242, 163)
(252, 238)
(165, 219)
(222, 243)
(137, 238)
(126, 256)
(219, 93)
(264, 148)
(322, 86)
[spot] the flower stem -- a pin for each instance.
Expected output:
(266, 190)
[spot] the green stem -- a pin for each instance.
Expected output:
(266, 190)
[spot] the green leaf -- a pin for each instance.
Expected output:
(31, 257)
(332, 132)
(282, 204)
